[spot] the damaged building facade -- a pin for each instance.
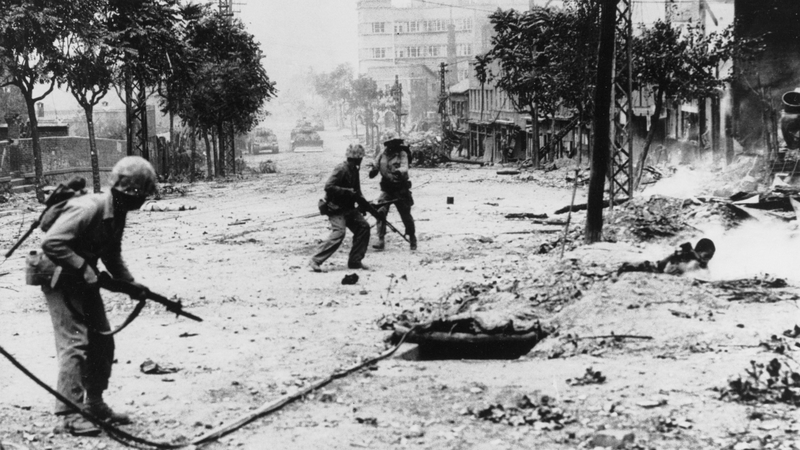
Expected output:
(496, 132)
(411, 39)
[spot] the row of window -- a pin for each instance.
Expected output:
(493, 99)
(420, 26)
(420, 51)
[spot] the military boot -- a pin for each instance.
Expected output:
(413, 241)
(380, 245)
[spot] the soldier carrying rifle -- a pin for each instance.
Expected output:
(342, 193)
(85, 229)
(392, 164)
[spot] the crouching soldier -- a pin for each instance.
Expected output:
(392, 164)
(86, 229)
(341, 191)
(684, 259)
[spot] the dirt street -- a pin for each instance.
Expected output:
(239, 260)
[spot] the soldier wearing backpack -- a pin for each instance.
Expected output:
(392, 164)
(79, 232)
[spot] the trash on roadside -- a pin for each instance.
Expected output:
(350, 279)
(156, 206)
(151, 368)
(541, 413)
(590, 377)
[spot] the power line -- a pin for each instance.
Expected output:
(454, 6)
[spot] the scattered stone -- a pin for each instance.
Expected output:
(612, 439)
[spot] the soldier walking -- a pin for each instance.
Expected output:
(89, 228)
(341, 191)
(392, 164)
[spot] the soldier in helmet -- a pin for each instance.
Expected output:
(392, 164)
(89, 228)
(341, 191)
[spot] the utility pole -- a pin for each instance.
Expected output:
(397, 94)
(443, 102)
(602, 124)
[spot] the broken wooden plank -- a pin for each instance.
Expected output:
(583, 206)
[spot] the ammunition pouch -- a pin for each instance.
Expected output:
(39, 269)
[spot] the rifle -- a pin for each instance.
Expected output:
(365, 205)
(105, 281)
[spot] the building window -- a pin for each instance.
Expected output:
(435, 25)
(378, 27)
(434, 51)
(463, 24)
(378, 53)
(400, 52)
(414, 52)
(464, 50)
(400, 27)
(413, 27)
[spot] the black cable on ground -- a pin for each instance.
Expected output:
(130, 440)
(115, 433)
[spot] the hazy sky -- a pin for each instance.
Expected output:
(298, 34)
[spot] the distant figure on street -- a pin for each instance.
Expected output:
(392, 164)
(86, 229)
(341, 191)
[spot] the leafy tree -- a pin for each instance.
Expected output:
(28, 33)
(679, 64)
(85, 63)
(11, 101)
(148, 32)
(544, 58)
(228, 84)
(365, 100)
(336, 88)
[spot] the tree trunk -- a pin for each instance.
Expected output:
(210, 158)
(535, 132)
(602, 124)
(130, 132)
(651, 134)
(37, 149)
(171, 149)
(193, 150)
(144, 131)
(223, 149)
(93, 158)
(217, 171)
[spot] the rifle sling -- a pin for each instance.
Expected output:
(82, 318)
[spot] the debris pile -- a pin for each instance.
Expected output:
(590, 377)
(267, 166)
(426, 149)
(754, 290)
(765, 383)
(539, 412)
(644, 218)
(559, 174)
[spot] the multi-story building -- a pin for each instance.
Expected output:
(410, 39)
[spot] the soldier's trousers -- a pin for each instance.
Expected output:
(403, 205)
(355, 222)
(84, 355)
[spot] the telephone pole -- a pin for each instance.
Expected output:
(443, 102)
(397, 94)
